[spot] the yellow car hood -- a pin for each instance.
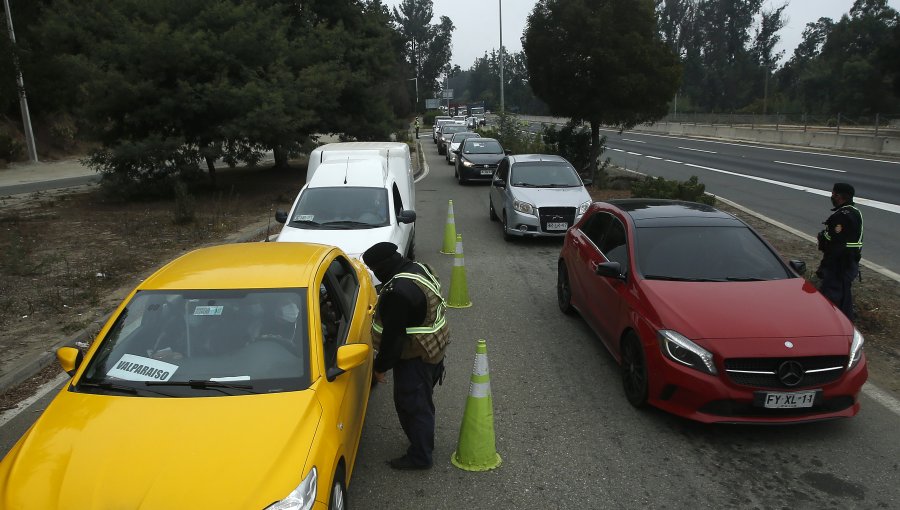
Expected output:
(113, 452)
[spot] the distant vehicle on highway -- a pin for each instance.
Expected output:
(239, 375)
(704, 317)
(537, 195)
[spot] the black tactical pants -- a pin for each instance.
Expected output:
(414, 382)
(837, 281)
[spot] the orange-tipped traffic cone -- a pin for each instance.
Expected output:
(449, 232)
(476, 449)
(459, 290)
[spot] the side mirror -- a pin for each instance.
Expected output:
(610, 270)
(349, 356)
(508, 152)
(456, 151)
(799, 266)
(406, 216)
(499, 183)
(70, 359)
(587, 182)
(280, 216)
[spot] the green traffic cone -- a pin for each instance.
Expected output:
(476, 449)
(449, 232)
(459, 290)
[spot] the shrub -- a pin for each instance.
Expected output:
(10, 148)
(63, 131)
(428, 118)
(657, 187)
(185, 207)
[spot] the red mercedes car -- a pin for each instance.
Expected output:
(705, 318)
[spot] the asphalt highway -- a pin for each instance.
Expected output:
(567, 436)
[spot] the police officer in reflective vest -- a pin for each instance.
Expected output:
(417, 127)
(411, 334)
(841, 245)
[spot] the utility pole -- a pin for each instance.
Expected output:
(502, 105)
(23, 102)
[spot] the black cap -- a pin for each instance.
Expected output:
(379, 254)
(844, 189)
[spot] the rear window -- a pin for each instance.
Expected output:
(733, 253)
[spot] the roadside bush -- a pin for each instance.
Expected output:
(10, 148)
(63, 131)
(428, 118)
(513, 136)
(185, 206)
(657, 187)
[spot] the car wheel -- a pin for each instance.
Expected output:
(506, 235)
(634, 371)
(494, 216)
(459, 177)
(563, 289)
(338, 499)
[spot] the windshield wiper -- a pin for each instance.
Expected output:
(201, 384)
(306, 223)
(745, 279)
(680, 278)
(559, 185)
(348, 223)
(107, 386)
(524, 185)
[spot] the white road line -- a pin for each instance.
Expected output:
(652, 157)
(45, 388)
(424, 161)
(632, 140)
(810, 166)
(752, 145)
(634, 153)
(698, 150)
(617, 150)
(673, 161)
(882, 397)
(884, 206)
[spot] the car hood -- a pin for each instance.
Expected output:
(484, 159)
(353, 242)
(780, 309)
(552, 197)
(101, 452)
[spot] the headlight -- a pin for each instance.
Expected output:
(583, 208)
(679, 349)
(301, 498)
(523, 207)
(467, 163)
(856, 348)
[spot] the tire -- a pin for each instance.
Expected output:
(337, 500)
(493, 213)
(459, 177)
(634, 371)
(563, 289)
(506, 235)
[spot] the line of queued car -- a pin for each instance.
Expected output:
(706, 320)
(253, 356)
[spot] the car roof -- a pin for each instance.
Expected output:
(651, 212)
(533, 158)
(372, 173)
(242, 266)
(471, 134)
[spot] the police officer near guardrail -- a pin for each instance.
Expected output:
(417, 127)
(411, 334)
(841, 245)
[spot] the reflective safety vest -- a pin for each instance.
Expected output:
(850, 244)
(431, 339)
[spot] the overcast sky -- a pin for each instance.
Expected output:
(478, 27)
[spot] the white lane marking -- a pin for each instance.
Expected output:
(884, 206)
(810, 166)
(632, 140)
(673, 161)
(697, 150)
(882, 397)
(424, 161)
(44, 389)
(634, 153)
(617, 150)
(751, 145)
(652, 157)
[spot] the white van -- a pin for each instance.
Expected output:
(356, 194)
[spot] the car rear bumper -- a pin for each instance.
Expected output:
(709, 399)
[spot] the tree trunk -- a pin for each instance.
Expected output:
(595, 154)
(211, 166)
(281, 157)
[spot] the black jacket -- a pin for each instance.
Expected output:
(403, 306)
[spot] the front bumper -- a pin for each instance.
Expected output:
(477, 172)
(528, 225)
(714, 399)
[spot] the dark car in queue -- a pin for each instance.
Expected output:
(705, 319)
(446, 132)
(477, 159)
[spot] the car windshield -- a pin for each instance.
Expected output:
(705, 253)
(459, 137)
(341, 208)
(543, 175)
(449, 130)
(204, 343)
(483, 147)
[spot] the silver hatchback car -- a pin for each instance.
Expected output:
(537, 195)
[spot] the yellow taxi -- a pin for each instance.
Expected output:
(234, 377)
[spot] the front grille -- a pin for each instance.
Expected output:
(736, 369)
(556, 214)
